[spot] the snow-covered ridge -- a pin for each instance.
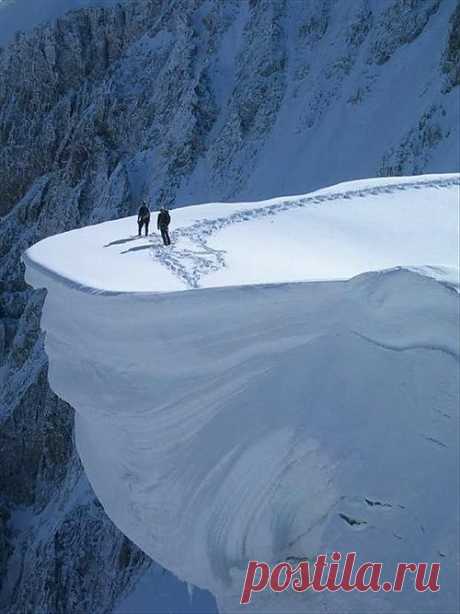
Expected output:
(238, 420)
(334, 233)
(168, 100)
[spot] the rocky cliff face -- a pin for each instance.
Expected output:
(179, 101)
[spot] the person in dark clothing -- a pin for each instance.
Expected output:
(143, 218)
(162, 224)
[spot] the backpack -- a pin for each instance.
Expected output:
(144, 213)
(164, 218)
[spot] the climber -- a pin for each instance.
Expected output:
(162, 224)
(143, 218)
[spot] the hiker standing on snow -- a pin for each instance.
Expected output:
(143, 218)
(162, 224)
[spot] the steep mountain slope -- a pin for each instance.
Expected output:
(20, 15)
(182, 102)
(201, 100)
(256, 436)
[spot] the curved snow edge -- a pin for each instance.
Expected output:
(444, 276)
(160, 416)
(199, 230)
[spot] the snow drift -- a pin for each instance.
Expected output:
(283, 381)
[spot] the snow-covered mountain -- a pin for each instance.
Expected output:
(200, 100)
(182, 101)
(23, 15)
(225, 413)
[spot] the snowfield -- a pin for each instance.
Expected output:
(334, 233)
(282, 381)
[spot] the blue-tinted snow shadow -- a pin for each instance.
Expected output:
(122, 241)
(137, 249)
(159, 591)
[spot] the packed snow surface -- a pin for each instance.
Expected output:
(225, 413)
(334, 233)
